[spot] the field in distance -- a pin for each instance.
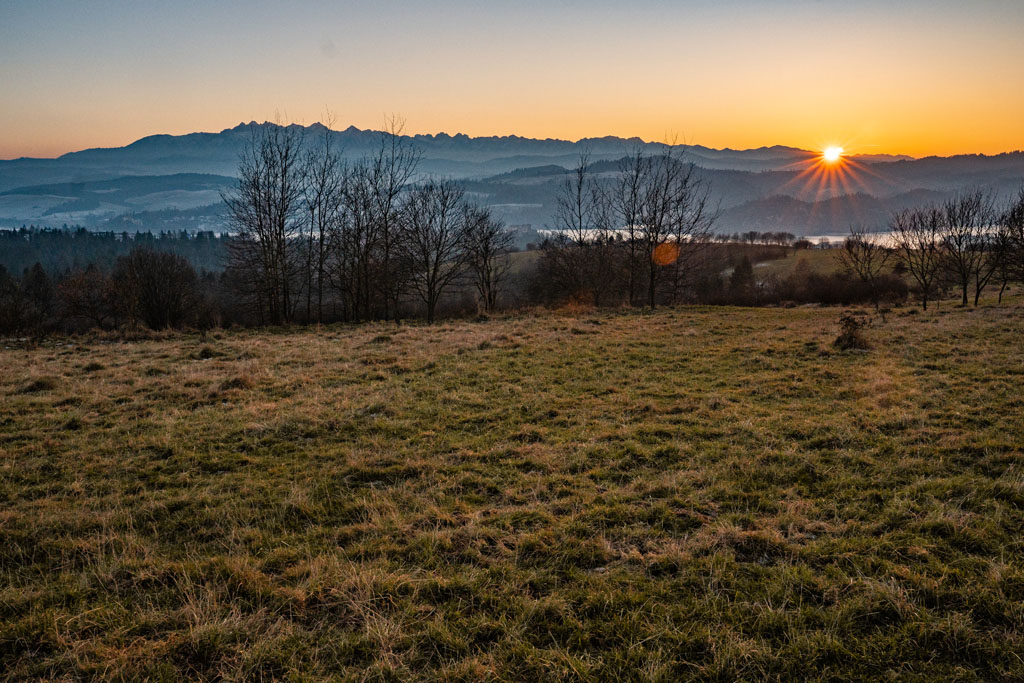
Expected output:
(699, 493)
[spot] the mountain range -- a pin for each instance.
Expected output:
(175, 181)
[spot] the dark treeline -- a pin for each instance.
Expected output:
(155, 289)
(757, 237)
(108, 280)
(66, 249)
(803, 286)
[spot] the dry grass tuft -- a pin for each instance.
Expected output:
(239, 382)
(207, 352)
(40, 384)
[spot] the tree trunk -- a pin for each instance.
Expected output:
(652, 286)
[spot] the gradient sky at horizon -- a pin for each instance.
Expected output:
(898, 76)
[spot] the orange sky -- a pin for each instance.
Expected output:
(901, 77)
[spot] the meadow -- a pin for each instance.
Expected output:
(685, 494)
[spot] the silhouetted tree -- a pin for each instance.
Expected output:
(580, 254)
(354, 245)
(324, 177)
(967, 227)
(158, 289)
(39, 299)
(434, 239)
(627, 199)
(389, 172)
(865, 256)
(1013, 225)
(917, 236)
(89, 294)
(674, 217)
(487, 246)
(265, 215)
(1001, 254)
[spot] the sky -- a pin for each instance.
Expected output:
(916, 77)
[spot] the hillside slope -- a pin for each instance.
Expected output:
(711, 494)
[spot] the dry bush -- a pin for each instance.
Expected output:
(851, 335)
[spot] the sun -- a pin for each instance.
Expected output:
(832, 154)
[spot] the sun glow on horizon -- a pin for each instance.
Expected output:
(832, 154)
(530, 69)
(830, 174)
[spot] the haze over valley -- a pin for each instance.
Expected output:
(167, 182)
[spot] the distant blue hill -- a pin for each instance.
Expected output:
(143, 184)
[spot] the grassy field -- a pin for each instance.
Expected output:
(690, 494)
(824, 261)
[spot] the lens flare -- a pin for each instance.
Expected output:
(665, 254)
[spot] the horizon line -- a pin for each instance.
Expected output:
(445, 134)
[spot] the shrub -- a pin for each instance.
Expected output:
(850, 334)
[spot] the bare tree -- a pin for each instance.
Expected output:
(627, 200)
(159, 289)
(1001, 255)
(689, 230)
(674, 210)
(917, 236)
(434, 239)
(353, 267)
(579, 258)
(324, 177)
(865, 256)
(577, 253)
(967, 228)
(90, 295)
(265, 214)
(647, 227)
(487, 245)
(390, 172)
(1013, 224)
